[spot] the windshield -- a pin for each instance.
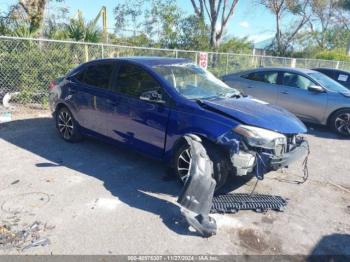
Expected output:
(194, 82)
(328, 83)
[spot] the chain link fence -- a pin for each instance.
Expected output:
(28, 65)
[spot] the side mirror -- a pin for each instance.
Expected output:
(152, 96)
(317, 89)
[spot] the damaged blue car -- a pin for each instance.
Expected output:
(150, 104)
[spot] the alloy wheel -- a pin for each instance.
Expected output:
(342, 123)
(184, 164)
(65, 125)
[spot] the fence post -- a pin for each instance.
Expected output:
(293, 63)
(102, 51)
(337, 65)
(196, 57)
(86, 53)
(226, 64)
(176, 53)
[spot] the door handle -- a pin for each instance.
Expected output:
(250, 87)
(284, 92)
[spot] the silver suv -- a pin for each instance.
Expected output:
(310, 95)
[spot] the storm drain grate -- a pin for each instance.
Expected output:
(232, 203)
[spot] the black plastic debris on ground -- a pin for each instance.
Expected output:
(232, 203)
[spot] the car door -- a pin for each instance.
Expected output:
(295, 96)
(261, 85)
(136, 122)
(93, 97)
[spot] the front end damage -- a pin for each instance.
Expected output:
(260, 155)
(247, 157)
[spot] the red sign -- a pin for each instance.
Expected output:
(203, 59)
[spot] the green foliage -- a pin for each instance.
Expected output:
(137, 40)
(337, 54)
(193, 34)
(23, 68)
(79, 30)
(236, 45)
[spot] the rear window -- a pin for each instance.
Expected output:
(269, 77)
(97, 75)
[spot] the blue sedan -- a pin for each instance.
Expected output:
(150, 104)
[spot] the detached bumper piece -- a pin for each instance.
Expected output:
(232, 203)
(288, 158)
(197, 195)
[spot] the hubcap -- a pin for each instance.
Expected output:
(65, 125)
(184, 164)
(342, 123)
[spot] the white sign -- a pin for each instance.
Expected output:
(203, 60)
(343, 78)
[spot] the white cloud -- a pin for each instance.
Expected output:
(244, 24)
(260, 37)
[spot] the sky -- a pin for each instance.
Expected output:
(249, 20)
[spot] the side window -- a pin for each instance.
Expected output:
(266, 77)
(80, 75)
(295, 80)
(133, 81)
(98, 75)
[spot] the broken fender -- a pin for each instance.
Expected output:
(197, 195)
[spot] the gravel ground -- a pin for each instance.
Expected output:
(94, 198)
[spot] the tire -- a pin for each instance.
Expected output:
(340, 122)
(182, 159)
(67, 126)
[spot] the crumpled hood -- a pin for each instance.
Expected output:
(258, 113)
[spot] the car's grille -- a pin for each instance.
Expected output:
(291, 142)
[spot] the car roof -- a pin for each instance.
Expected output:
(262, 69)
(147, 60)
(288, 69)
(331, 69)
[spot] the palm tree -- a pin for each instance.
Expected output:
(79, 30)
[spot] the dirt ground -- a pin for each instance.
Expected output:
(95, 198)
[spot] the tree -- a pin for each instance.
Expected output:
(26, 18)
(299, 9)
(79, 30)
(193, 34)
(162, 22)
(157, 20)
(218, 13)
(127, 16)
(236, 45)
(34, 12)
(322, 20)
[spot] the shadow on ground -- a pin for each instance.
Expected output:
(129, 176)
(335, 247)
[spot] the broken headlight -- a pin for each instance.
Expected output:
(259, 137)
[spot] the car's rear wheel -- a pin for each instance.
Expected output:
(183, 162)
(66, 125)
(340, 122)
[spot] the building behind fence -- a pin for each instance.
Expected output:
(28, 65)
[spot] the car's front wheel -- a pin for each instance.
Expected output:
(183, 162)
(67, 126)
(340, 122)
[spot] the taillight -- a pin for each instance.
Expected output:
(52, 84)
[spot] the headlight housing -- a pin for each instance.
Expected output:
(259, 137)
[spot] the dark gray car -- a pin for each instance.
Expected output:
(310, 95)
